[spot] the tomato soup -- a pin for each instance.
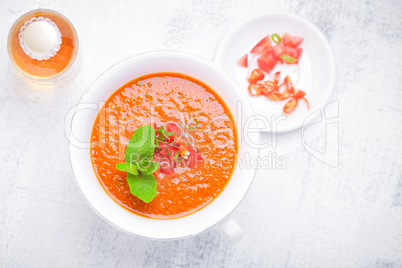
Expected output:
(160, 99)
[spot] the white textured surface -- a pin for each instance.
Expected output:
(307, 215)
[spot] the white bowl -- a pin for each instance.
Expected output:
(315, 74)
(84, 118)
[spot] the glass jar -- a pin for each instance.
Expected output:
(43, 46)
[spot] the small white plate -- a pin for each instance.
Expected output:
(315, 73)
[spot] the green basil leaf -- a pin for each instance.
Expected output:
(147, 166)
(141, 144)
(142, 186)
(127, 167)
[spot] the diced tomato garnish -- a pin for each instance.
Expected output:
(164, 152)
(262, 46)
(172, 152)
(172, 127)
(267, 61)
(242, 62)
(181, 140)
(194, 158)
(255, 75)
(168, 150)
(164, 148)
(155, 127)
(165, 168)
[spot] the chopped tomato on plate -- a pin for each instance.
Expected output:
(293, 52)
(286, 50)
(262, 46)
(267, 61)
(242, 62)
(293, 41)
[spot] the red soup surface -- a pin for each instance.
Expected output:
(160, 99)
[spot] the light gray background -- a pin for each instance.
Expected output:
(307, 215)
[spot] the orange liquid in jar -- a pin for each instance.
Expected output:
(56, 65)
